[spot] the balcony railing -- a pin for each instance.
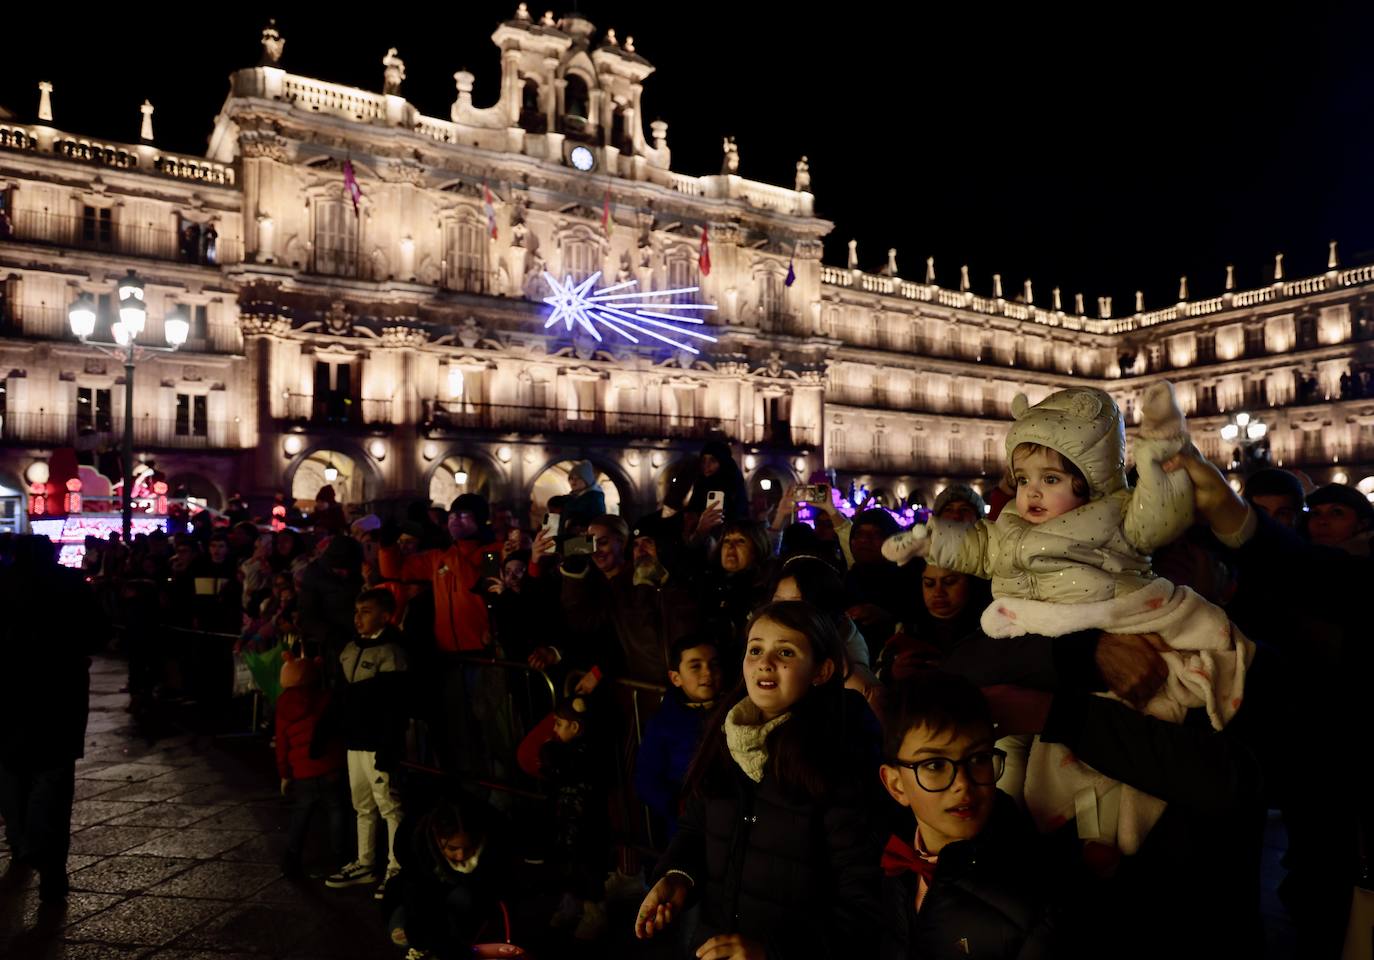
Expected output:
(344, 261)
(117, 236)
(107, 431)
(337, 409)
(472, 280)
(904, 463)
(452, 416)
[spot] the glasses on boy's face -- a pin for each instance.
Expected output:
(936, 774)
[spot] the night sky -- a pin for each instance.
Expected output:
(1093, 154)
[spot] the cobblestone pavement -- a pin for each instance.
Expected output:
(175, 853)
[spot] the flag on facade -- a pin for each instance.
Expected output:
(704, 257)
(791, 277)
(607, 224)
(490, 208)
(355, 192)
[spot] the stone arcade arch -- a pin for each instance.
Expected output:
(356, 478)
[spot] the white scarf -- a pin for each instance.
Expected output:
(746, 733)
(468, 865)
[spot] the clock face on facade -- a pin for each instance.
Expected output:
(582, 158)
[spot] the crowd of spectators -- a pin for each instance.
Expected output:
(391, 645)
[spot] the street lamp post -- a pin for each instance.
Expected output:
(1248, 434)
(133, 315)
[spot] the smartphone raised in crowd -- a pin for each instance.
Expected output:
(811, 493)
(715, 498)
(491, 564)
(552, 523)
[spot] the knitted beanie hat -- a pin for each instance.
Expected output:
(472, 503)
(585, 470)
(1081, 424)
(959, 491)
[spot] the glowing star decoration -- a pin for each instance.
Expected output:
(621, 313)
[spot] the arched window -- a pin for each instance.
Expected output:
(682, 274)
(336, 239)
(579, 258)
(466, 249)
(532, 117)
(621, 135)
(576, 101)
(772, 299)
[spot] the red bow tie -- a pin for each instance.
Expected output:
(900, 857)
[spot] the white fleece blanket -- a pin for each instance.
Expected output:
(1207, 665)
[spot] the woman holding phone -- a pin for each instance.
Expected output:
(718, 473)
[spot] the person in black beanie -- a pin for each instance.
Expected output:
(719, 471)
(1278, 494)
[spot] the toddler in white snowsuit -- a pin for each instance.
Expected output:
(1079, 559)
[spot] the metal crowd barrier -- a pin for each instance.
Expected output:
(473, 713)
(645, 699)
(205, 659)
(525, 696)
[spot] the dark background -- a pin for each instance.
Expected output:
(1101, 149)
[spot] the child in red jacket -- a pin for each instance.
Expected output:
(312, 780)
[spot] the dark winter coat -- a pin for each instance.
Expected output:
(1200, 863)
(427, 884)
(578, 783)
(582, 508)
(50, 628)
(298, 713)
(726, 600)
(727, 479)
(990, 897)
(326, 608)
(628, 628)
(796, 874)
(671, 738)
(371, 708)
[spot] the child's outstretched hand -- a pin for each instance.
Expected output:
(661, 905)
(1219, 505)
(902, 547)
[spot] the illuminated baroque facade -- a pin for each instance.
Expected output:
(403, 347)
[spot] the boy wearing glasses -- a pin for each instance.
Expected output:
(968, 880)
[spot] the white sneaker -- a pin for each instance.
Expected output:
(901, 547)
(352, 875)
(380, 893)
(593, 922)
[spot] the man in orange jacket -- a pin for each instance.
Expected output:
(465, 700)
(460, 613)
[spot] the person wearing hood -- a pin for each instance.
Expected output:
(1341, 517)
(717, 470)
(586, 502)
(328, 516)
